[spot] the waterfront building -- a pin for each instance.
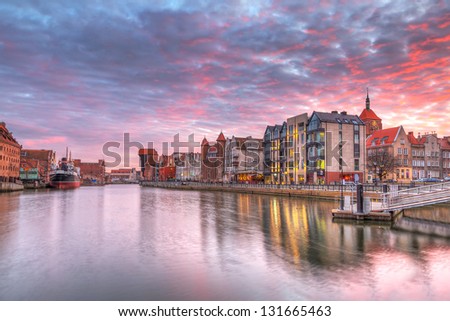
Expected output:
(370, 119)
(394, 146)
(444, 143)
(212, 159)
(267, 149)
(187, 166)
(37, 161)
(123, 175)
(244, 160)
(335, 148)
(10, 151)
(417, 155)
(296, 149)
(166, 171)
(92, 173)
(274, 147)
(148, 159)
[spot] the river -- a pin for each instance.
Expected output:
(126, 242)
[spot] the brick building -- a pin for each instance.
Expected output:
(395, 142)
(39, 160)
(296, 149)
(92, 173)
(370, 119)
(10, 151)
(212, 159)
(148, 161)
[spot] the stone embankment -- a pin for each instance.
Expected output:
(10, 187)
(328, 192)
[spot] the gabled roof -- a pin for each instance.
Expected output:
(416, 141)
(369, 114)
(204, 141)
(221, 138)
(6, 135)
(383, 137)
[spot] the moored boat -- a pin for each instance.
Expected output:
(65, 176)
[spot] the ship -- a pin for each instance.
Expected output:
(65, 175)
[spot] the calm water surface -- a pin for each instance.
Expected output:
(125, 242)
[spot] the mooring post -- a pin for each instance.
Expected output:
(360, 198)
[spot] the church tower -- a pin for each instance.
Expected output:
(368, 116)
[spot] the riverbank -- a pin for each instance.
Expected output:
(10, 187)
(329, 192)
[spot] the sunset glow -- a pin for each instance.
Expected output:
(82, 73)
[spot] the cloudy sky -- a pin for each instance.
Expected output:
(82, 73)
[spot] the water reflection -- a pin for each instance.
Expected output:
(130, 243)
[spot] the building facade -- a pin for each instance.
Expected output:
(296, 149)
(445, 156)
(212, 160)
(244, 160)
(92, 173)
(187, 166)
(148, 162)
(10, 151)
(397, 164)
(335, 149)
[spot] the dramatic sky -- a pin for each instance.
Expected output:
(83, 73)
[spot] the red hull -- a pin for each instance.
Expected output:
(65, 185)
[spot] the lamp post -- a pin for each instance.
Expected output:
(341, 201)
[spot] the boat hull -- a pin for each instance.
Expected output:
(64, 181)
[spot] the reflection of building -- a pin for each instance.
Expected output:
(91, 172)
(212, 156)
(394, 141)
(368, 116)
(243, 160)
(296, 151)
(335, 147)
(9, 155)
(148, 159)
(187, 166)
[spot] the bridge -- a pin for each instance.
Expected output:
(396, 200)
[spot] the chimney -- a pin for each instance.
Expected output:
(343, 113)
(334, 112)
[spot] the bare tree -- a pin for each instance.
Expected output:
(380, 162)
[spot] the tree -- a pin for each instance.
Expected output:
(380, 162)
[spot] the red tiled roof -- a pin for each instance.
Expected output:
(41, 154)
(413, 140)
(145, 151)
(221, 138)
(445, 142)
(388, 135)
(369, 114)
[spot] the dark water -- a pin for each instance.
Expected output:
(125, 242)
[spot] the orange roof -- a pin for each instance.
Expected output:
(387, 136)
(369, 114)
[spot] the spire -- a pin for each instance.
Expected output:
(367, 99)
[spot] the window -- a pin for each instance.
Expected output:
(356, 164)
(405, 162)
(399, 151)
(405, 151)
(402, 141)
(414, 152)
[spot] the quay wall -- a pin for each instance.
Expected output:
(10, 187)
(317, 192)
